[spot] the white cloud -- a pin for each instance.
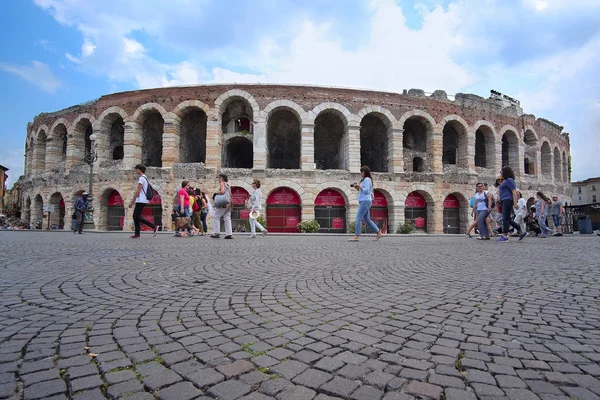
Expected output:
(87, 48)
(72, 58)
(13, 159)
(38, 74)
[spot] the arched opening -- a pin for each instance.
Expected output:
(510, 150)
(152, 132)
(530, 152)
(81, 140)
(57, 216)
(40, 150)
(329, 134)
(56, 150)
(238, 153)
(37, 213)
(418, 164)
(484, 147)
(192, 136)
(374, 142)
(557, 165)
(284, 136)
(480, 151)
(27, 211)
(117, 138)
(283, 210)
(415, 142)
(239, 212)
(546, 160)
(330, 211)
(379, 211)
(115, 213)
(451, 217)
(88, 134)
(237, 117)
(153, 212)
(454, 144)
(415, 211)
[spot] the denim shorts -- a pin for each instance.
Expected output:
(556, 219)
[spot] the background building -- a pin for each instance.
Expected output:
(3, 179)
(586, 192)
(306, 145)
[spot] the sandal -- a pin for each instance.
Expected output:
(353, 240)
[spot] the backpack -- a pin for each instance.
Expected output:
(149, 192)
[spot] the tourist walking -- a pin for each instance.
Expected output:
(473, 205)
(222, 209)
(81, 206)
(520, 212)
(197, 207)
(254, 209)
(483, 205)
(140, 200)
(557, 210)
(365, 199)
(541, 210)
(206, 209)
(508, 199)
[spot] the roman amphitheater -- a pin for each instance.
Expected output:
(306, 145)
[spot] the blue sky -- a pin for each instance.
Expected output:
(57, 53)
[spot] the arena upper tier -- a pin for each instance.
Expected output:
(306, 144)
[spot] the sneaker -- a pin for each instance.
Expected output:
(215, 236)
(468, 235)
(522, 236)
(265, 232)
(156, 230)
(135, 237)
(228, 237)
(502, 239)
(543, 236)
(252, 236)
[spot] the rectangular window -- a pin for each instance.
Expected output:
(580, 198)
(578, 189)
(594, 199)
(593, 187)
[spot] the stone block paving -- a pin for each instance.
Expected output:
(99, 316)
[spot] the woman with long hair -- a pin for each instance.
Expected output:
(365, 199)
(508, 199)
(541, 210)
(223, 211)
(255, 206)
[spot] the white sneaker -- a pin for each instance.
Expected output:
(252, 236)
(265, 232)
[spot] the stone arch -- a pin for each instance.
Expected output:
(429, 197)
(485, 145)
(238, 153)
(546, 154)
(111, 138)
(150, 119)
(79, 137)
(389, 117)
(375, 138)
(224, 99)
(304, 195)
(330, 136)
(192, 130)
(345, 115)
(284, 137)
(39, 149)
(417, 140)
(344, 190)
(301, 114)
(531, 150)
(57, 217)
(510, 148)
(557, 165)
(104, 215)
(455, 141)
(37, 211)
(463, 213)
(57, 151)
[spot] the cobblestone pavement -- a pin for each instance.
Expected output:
(299, 317)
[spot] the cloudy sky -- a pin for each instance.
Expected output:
(546, 53)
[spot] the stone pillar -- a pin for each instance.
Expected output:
(437, 149)
(308, 211)
(102, 131)
(396, 151)
(468, 159)
(39, 157)
(53, 153)
(75, 148)
(497, 157)
(395, 217)
(520, 165)
(214, 140)
(28, 161)
(170, 140)
(435, 216)
(353, 149)
(260, 145)
(307, 147)
(132, 145)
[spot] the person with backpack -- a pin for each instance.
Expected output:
(143, 193)
(365, 199)
(508, 200)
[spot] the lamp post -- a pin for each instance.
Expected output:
(90, 158)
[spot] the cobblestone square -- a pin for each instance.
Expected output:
(99, 316)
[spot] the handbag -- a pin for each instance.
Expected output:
(249, 203)
(183, 222)
(223, 200)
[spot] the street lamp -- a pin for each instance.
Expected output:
(90, 158)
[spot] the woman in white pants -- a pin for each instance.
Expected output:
(222, 212)
(255, 206)
(520, 212)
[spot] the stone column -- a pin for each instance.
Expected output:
(396, 151)
(395, 217)
(435, 217)
(39, 157)
(308, 211)
(437, 149)
(132, 145)
(53, 153)
(520, 165)
(170, 140)
(102, 131)
(497, 158)
(468, 159)
(307, 147)
(75, 148)
(353, 149)
(260, 145)
(28, 161)
(214, 140)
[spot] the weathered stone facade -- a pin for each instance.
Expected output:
(304, 138)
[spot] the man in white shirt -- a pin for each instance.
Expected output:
(140, 200)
